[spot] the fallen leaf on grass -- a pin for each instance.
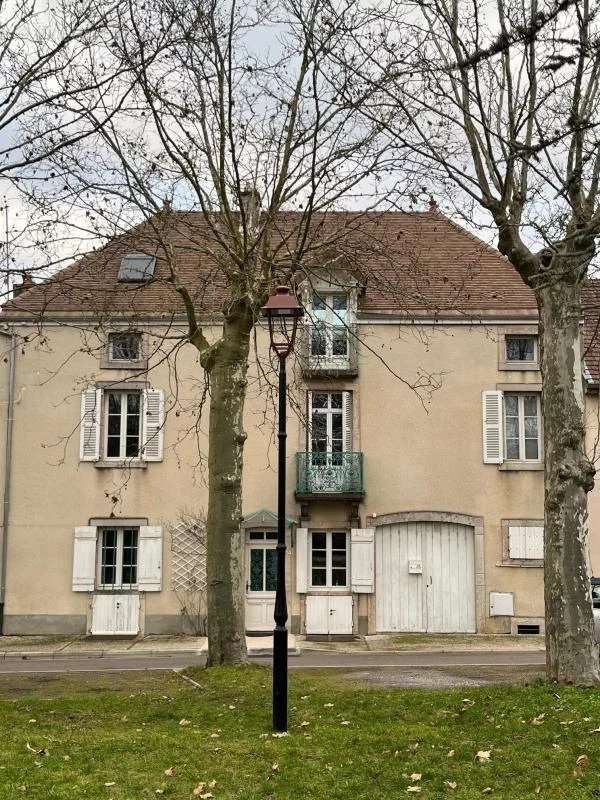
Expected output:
(450, 785)
(159, 791)
(275, 767)
(344, 722)
(581, 765)
(170, 772)
(416, 776)
(414, 789)
(538, 789)
(328, 705)
(596, 730)
(199, 789)
(110, 783)
(538, 720)
(184, 722)
(450, 753)
(483, 756)
(279, 735)
(487, 790)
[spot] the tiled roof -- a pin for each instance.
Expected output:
(413, 262)
(591, 338)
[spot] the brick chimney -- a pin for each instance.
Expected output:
(26, 283)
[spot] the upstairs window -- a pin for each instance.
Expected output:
(521, 349)
(123, 424)
(522, 427)
(125, 347)
(329, 332)
(137, 268)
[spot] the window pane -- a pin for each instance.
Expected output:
(339, 343)
(318, 341)
(271, 535)
(319, 577)
(531, 448)
(319, 558)
(336, 426)
(114, 403)
(256, 570)
(338, 541)
(520, 348)
(512, 428)
(530, 405)
(511, 405)
(512, 448)
(531, 428)
(125, 346)
(114, 424)
(319, 400)
(108, 569)
(336, 399)
(338, 577)
(319, 540)
(318, 303)
(338, 558)
(270, 569)
(319, 426)
(130, 550)
(113, 447)
(339, 302)
(256, 535)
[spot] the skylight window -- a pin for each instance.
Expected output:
(137, 267)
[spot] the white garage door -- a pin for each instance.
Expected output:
(425, 577)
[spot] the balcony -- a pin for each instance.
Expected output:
(336, 476)
(328, 350)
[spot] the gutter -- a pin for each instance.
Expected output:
(7, 470)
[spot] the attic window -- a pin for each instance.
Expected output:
(137, 267)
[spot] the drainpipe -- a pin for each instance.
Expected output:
(7, 470)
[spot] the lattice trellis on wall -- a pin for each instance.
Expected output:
(188, 556)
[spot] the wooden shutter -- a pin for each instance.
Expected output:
(89, 425)
(362, 560)
(348, 433)
(493, 444)
(150, 546)
(153, 424)
(301, 560)
(526, 542)
(84, 559)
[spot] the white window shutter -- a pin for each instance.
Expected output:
(526, 542)
(89, 425)
(347, 413)
(493, 444)
(84, 559)
(535, 542)
(152, 425)
(516, 541)
(302, 560)
(362, 560)
(150, 547)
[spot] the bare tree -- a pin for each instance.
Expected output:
(506, 127)
(233, 118)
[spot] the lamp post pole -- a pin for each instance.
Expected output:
(280, 634)
(283, 312)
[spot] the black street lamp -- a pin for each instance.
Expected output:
(283, 312)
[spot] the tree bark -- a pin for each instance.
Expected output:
(571, 653)
(227, 365)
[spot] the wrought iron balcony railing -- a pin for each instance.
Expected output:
(329, 474)
(328, 349)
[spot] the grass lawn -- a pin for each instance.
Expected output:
(114, 736)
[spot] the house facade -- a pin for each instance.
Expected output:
(415, 452)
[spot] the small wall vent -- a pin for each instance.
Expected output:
(528, 630)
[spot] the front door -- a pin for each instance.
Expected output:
(329, 614)
(261, 580)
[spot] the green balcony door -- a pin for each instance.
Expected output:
(330, 437)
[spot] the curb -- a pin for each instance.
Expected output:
(34, 655)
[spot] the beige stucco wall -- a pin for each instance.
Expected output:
(418, 457)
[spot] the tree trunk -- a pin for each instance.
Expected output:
(571, 653)
(227, 365)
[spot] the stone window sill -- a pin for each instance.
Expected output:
(521, 466)
(131, 366)
(533, 564)
(125, 464)
(519, 366)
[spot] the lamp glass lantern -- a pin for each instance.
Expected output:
(282, 311)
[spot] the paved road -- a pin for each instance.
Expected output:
(306, 660)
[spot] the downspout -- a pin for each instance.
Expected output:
(7, 470)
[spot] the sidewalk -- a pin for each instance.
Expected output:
(14, 647)
(25, 647)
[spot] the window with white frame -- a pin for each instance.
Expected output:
(117, 558)
(123, 424)
(329, 331)
(329, 559)
(327, 423)
(125, 347)
(522, 426)
(521, 348)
